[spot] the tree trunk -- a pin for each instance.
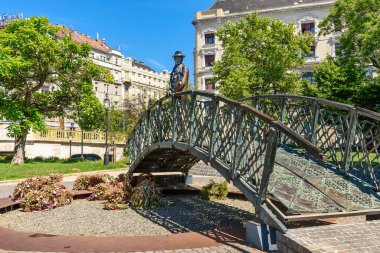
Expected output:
(19, 150)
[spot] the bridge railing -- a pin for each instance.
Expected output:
(76, 136)
(349, 136)
(230, 135)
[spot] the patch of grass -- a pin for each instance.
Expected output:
(355, 159)
(34, 168)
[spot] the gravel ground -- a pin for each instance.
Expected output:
(179, 213)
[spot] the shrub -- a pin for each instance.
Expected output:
(124, 160)
(34, 184)
(50, 159)
(215, 191)
(41, 193)
(85, 182)
(115, 195)
(99, 191)
(146, 194)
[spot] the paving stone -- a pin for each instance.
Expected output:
(345, 238)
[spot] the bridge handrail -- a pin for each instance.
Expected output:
(347, 107)
(312, 149)
(353, 132)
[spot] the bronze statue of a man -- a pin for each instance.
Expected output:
(179, 76)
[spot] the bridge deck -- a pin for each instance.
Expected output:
(304, 185)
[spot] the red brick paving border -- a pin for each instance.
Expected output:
(23, 241)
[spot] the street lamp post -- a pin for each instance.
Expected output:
(107, 107)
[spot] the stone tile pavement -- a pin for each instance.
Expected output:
(359, 237)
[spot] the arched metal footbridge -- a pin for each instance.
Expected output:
(295, 158)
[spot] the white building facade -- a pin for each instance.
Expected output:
(306, 14)
(134, 82)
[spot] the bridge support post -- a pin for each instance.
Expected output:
(238, 145)
(270, 156)
(214, 125)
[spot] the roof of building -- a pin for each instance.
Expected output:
(236, 6)
(138, 64)
(81, 38)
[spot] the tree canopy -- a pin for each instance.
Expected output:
(43, 73)
(259, 57)
(358, 21)
(353, 75)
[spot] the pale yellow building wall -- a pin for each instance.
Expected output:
(209, 21)
(143, 84)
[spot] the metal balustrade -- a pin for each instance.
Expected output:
(348, 136)
(236, 139)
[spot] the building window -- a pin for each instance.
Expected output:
(308, 27)
(308, 76)
(311, 54)
(96, 88)
(209, 85)
(210, 38)
(209, 60)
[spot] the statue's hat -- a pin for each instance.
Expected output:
(178, 54)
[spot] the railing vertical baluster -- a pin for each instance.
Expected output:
(283, 108)
(350, 139)
(140, 140)
(147, 127)
(175, 120)
(192, 119)
(238, 145)
(159, 122)
(270, 156)
(315, 118)
(214, 125)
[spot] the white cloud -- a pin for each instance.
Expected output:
(157, 64)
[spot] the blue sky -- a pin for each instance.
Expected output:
(148, 30)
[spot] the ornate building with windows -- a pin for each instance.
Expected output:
(306, 14)
(142, 84)
(135, 83)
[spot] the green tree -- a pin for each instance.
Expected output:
(259, 57)
(42, 73)
(345, 78)
(359, 24)
(336, 81)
